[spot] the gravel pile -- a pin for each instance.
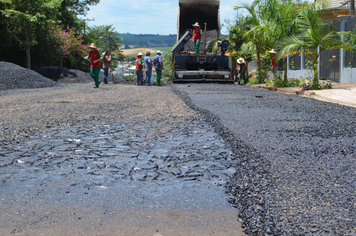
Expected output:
(210, 35)
(56, 73)
(294, 158)
(16, 77)
(63, 75)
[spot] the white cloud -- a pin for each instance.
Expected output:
(148, 16)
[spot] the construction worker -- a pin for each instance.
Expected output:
(242, 70)
(139, 67)
(197, 36)
(95, 57)
(274, 63)
(158, 64)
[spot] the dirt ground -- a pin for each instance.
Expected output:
(136, 50)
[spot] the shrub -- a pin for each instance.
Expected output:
(253, 81)
(66, 48)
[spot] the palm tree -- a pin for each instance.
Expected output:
(283, 14)
(312, 40)
(261, 32)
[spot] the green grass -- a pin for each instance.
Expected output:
(163, 49)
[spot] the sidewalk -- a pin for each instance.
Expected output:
(344, 94)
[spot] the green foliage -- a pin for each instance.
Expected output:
(167, 66)
(24, 25)
(253, 81)
(23, 17)
(307, 85)
(312, 41)
(248, 51)
(278, 82)
(67, 49)
(264, 67)
(80, 7)
(350, 37)
(236, 37)
(211, 45)
(105, 37)
(261, 34)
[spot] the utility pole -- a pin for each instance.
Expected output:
(352, 14)
(85, 21)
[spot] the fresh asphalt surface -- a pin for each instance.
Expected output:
(119, 160)
(135, 160)
(296, 157)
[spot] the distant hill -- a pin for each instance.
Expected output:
(147, 40)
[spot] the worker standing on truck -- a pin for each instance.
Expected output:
(242, 70)
(197, 36)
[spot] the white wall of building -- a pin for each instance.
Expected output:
(348, 76)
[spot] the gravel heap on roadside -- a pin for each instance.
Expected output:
(295, 158)
(55, 73)
(16, 77)
(64, 75)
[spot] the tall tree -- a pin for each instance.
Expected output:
(70, 10)
(261, 32)
(23, 17)
(81, 7)
(283, 14)
(105, 37)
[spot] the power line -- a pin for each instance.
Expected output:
(138, 24)
(85, 21)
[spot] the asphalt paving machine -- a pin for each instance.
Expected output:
(187, 66)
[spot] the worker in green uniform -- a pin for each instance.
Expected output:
(197, 36)
(95, 57)
(242, 70)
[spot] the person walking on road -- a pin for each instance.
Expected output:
(197, 36)
(106, 65)
(95, 57)
(158, 64)
(148, 68)
(139, 67)
(242, 70)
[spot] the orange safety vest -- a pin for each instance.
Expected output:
(243, 67)
(197, 34)
(274, 62)
(94, 56)
(137, 65)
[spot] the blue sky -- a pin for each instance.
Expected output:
(147, 16)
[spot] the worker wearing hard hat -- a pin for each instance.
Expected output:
(197, 36)
(139, 67)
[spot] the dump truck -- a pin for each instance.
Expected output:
(187, 65)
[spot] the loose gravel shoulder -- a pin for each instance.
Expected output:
(295, 155)
(16, 77)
